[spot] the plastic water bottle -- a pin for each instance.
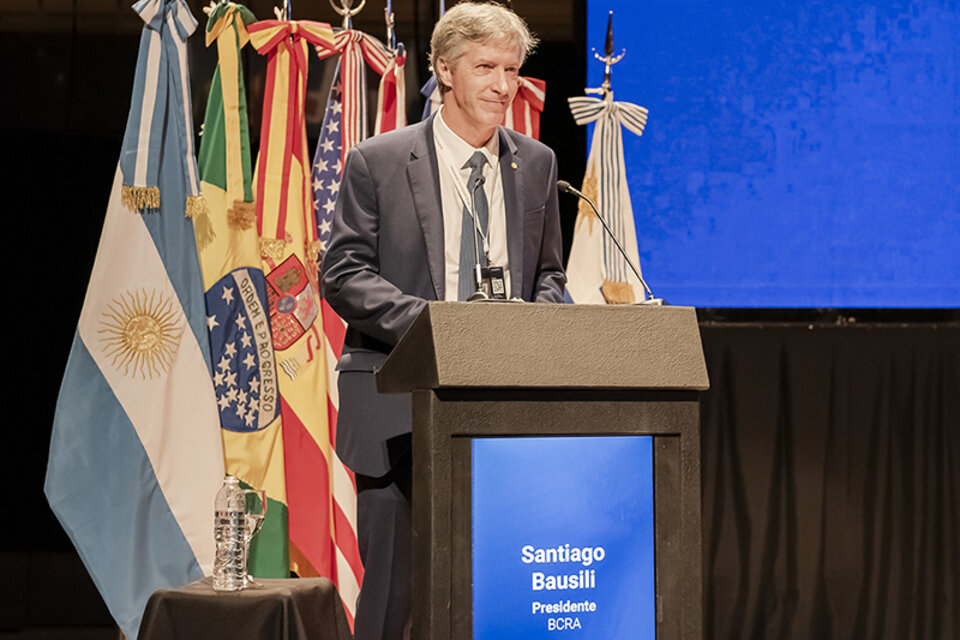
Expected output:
(230, 562)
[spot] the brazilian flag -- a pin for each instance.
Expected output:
(238, 313)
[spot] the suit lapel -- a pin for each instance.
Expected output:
(422, 174)
(512, 174)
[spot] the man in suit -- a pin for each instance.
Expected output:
(417, 209)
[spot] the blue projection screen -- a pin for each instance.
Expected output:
(797, 154)
(563, 538)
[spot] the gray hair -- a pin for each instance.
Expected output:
(480, 22)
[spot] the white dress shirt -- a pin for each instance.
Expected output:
(453, 155)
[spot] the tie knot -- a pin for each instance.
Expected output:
(477, 160)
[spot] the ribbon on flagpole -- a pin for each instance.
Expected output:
(161, 77)
(354, 48)
(392, 95)
(283, 135)
(227, 26)
(524, 114)
(586, 109)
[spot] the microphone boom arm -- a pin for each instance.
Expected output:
(566, 187)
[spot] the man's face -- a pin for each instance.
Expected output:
(482, 85)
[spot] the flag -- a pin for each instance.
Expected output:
(344, 125)
(523, 116)
(135, 455)
(431, 91)
(238, 320)
(327, 166)
(596, 272)
(289, 251)
(355, 48)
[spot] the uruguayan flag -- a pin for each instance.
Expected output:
(135, 457)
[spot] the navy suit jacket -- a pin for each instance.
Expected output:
(385, 260)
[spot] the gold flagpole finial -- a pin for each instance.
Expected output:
(347, 10)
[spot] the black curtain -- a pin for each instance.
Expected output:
(831, 481)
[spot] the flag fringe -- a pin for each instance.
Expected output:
(242, 215)
(617, 292)
(140, 199)
(272, 248)
(313, 253)
(196, 206)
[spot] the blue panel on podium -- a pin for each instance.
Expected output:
(563, 537)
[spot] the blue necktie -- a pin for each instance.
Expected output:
(468, 235)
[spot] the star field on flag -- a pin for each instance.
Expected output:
(327, 164)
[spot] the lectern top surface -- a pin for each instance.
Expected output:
(528, 345)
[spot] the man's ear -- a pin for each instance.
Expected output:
(443, 72)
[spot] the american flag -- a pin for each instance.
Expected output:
(325, 176)
(328, 163)
(344, 125)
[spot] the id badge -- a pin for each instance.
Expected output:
(493, 283)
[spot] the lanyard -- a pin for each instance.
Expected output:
(464, 194)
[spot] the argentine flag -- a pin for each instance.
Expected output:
(135, 456)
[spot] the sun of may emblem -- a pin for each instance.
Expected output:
(140, 332)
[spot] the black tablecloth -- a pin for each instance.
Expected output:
(291, 609)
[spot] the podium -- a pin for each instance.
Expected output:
(511, 370)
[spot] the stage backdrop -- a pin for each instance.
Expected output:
(798, 154)
(831, 481)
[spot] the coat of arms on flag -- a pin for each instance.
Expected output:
(136, 457)
(320, 495)
(238, 318)
(293, 303)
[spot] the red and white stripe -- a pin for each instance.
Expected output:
(524, 114)
(392, 96)
(355, 48)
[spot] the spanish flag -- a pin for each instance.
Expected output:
(289, 248)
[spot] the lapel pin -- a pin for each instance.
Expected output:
(513, 164)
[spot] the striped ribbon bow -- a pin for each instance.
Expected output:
(355, 47)
(587, 109)
(161, 94)
(283, 134)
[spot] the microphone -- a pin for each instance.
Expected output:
(479, 294)
(566, 187)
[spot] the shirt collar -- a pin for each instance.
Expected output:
(458, 150)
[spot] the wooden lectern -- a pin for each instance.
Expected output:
(521, 369)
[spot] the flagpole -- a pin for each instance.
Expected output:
(608, 59)
(347, 10)
(391, 32)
